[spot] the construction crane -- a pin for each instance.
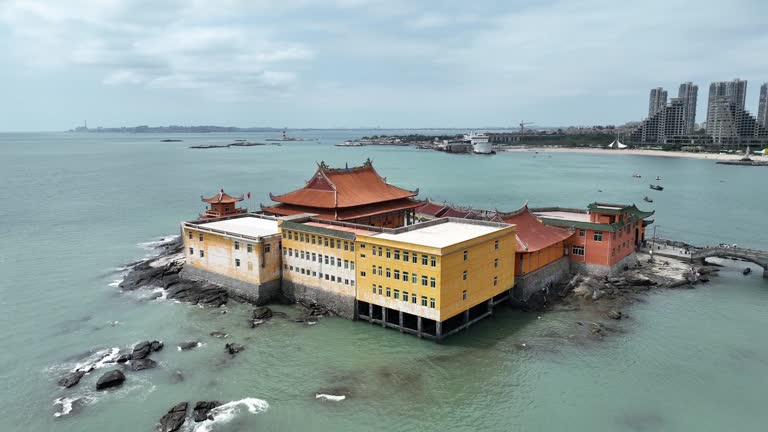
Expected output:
(523, 124)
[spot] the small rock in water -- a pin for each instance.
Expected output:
(174, 418)
(202, 410)
(123, 358)
(219, 334)
(156, 346)
(614, 314)
(110, 379)
(262, 313)
(71, 379)
(184, 346)
(141, 364)
(234, 348)
(141, 350)
(177, 377)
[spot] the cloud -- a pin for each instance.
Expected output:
(177, 46)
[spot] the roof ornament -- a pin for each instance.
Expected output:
(368, 162)
(322, 165)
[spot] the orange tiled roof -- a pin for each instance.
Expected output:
(344, 214)
(221, 198)
(338, 188)
(532, 234)
(431, 208)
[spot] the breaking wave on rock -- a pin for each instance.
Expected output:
(328, 397)
(230, 410)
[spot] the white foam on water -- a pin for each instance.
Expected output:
(67, 404)
(227, 412)
(154, 244)
(98, 360)
(333, 398)
(115, 282)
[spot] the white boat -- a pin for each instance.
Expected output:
(480, 143)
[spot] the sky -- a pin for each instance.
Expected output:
(366, 63)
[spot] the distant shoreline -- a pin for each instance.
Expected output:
(636, 152)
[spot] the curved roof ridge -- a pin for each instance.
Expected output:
(222, 197)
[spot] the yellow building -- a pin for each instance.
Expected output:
(319, 263)
(434, 278)
(240, 252)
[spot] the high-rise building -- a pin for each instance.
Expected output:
(688, 92)
(735, 91)
(731, 124)
(656, 101)
(669, 121)
(762, 109)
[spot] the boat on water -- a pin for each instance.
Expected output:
(658, 178)
(350, 144)
(480, 143)
(647, 199)
(637, 176)
(746, 271)
(657, 187)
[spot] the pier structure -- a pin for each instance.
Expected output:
(758, 257)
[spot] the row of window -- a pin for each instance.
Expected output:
(325, 241)
(249, 247)
(192, 252)
(320, 258)
(398, 255)
(319, 275)
(389, 293)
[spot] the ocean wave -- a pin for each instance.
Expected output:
(162, 241)
(66, 405)
(115, 282)
(97, 360)
(328, 397)
(227, 412)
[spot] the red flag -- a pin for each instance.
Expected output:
(249, 195)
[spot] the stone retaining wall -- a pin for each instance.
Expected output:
(341, 305)
(600, 270)
(530, 283)
(251, 293)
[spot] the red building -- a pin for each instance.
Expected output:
(358, 195)
(221, 205)
(538, 244)
(607, 235)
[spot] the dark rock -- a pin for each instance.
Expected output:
(704, 278)
(71, 379)
(196, 292)
(156, 346)
(174, 418)
(123, 358)
(141, 364)
(112, 378)
(614, 314)
(637, 279)
(219, 334)
(184, 346)
(234, 348)
(262, 313)
(203, 408)
(141, 350)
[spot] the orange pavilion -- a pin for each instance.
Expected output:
(221, 205)
(358, 195)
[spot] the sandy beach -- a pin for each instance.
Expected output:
(638, 152)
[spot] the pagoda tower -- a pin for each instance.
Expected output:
(221, 205)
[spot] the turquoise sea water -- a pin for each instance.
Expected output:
(75, 207)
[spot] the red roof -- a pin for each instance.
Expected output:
(431, 208)
(221, 198)
(337, 188)
(344, 214)
(532, 234)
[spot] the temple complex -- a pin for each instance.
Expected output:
(357, 195)
(221, 205)
(364, 249)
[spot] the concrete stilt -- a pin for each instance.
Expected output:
(466, 316)
(370, 313)
(401, 321)
(490, 306)
(383, 316)
(418, 326)
(765, 273)
(439, 329)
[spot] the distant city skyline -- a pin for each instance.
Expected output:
(365, 63)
